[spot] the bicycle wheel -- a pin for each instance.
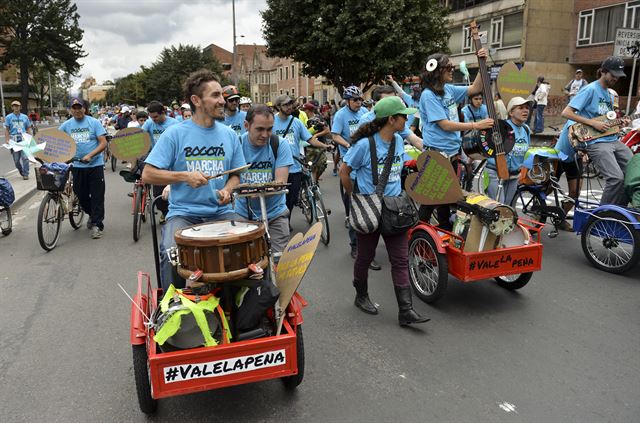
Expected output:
(428, 269)
(513, 282)
(528, 202)
(322, 216)
(76, 214)
(482, 181)
(146, 203)
(305, 201)
(610, 242)
(137, 219)
(5, 220)
(114, 162)
(49, 221)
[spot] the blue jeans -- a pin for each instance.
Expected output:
(168, 273)
(539, 118)
(21, 161)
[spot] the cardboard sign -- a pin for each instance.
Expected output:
(435, 183)
(130, 144)
(295, 260)
(59, 146)
(514, 82)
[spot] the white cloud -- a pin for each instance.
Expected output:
(120, 36)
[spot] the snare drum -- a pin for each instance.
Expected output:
(223, 250)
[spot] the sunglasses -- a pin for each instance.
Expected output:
(233, 100)
(449, 68)
(357, 99)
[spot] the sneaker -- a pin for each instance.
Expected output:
(130, 195)
(25, 177)
(335, 172)
(96, 233)
(374, 265)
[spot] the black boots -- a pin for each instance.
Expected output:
(362, 298)
(406, 314)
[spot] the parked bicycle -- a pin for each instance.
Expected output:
(58, 202)
(310, 201)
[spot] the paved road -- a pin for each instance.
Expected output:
(563, 349)
(6, 160)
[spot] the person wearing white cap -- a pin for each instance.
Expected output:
(15, 125)
(180, 117)
(124, 119)
(518, 111)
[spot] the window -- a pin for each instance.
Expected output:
(598, 26)
(293, 92)
(466, 39)
(512, 30)
(632, 15)
(286, 73)
(496, 32)
(280, 75)
(293, 71)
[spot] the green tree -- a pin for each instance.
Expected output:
(356, 42)
(165, 77)
(42, 32)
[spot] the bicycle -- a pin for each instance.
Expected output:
(140, 201)
(311, 203)
(108, 156)
(58, 202)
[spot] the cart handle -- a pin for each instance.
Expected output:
(156, 249)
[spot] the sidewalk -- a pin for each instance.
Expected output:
(23, 189)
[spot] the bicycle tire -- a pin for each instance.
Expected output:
(76, 214)
(306, 201)
(50, 213)
(320, 215)
(5, 220)
(137, 221)
(145, 204)
(529, 202)
(114, 162)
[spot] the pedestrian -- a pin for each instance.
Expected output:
(391, 117)
(575, 85)
(501, 110)
(15, 125)
(124, 118)
(88, 171)
(542, 97)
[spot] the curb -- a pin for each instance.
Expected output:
(23, 191)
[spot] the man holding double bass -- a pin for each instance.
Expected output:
(186, 157)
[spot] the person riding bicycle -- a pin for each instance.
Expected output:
(270, 159)
(15, 125)
(88, 171)
(609, 156)
(316, 125)
(233, 117)
(187, 156)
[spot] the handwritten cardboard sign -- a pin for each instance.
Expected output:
(130, 144)
(59, 146)
(434, 183)
(514, 82)
(295, 260)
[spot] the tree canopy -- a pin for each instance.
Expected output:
(356, 42)
(163, 80)
(40, 32)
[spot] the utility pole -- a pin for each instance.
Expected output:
(235, 53)
(4, 113)
(50, 97)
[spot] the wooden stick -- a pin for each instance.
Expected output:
(237, 169)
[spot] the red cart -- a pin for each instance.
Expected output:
(164, 374)
(434, 254)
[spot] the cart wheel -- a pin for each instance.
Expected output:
(5, 220)
(291, 382)
(428, 269)
(610, 242)
(513, 282)
(148, 405)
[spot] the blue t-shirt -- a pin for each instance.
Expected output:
(471, 114)
(297, 132)
(236, 122)
(370, 116)
(85, 133)
(522, 135)
(192, 148)
(262, 170)
(156, 129)
(593, 101)
(564, 144)
(17, 124)
(345, 123)
(434, 108)
(358, 157)
(179, 118)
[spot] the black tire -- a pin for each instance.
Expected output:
(76, 214)
(528, 202)
(305, 203)
(321, 215)
(147, 203)
(114, 162)
(49, 221)
(513, 282)
(137, 219)
(611, 245)
(5, 220)
(428, 269)
(291, 382)
(148, 405)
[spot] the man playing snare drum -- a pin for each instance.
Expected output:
(270, 161)
(185, 156)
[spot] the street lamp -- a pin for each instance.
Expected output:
(235, 49)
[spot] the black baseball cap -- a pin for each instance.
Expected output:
(615, 66)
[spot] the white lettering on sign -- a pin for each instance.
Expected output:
(218, 368)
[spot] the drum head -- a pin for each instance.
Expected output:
(516, 238)
(219, 230)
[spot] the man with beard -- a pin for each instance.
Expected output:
(186, 156)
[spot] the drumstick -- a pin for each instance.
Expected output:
(237, 169)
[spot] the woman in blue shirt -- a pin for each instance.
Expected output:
(439, 116)
(391, 116)
(518, 110)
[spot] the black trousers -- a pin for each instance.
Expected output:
(88, 185)
(295, 179)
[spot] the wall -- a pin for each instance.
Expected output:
(548, 26)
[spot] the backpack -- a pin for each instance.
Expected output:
(7, 196)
